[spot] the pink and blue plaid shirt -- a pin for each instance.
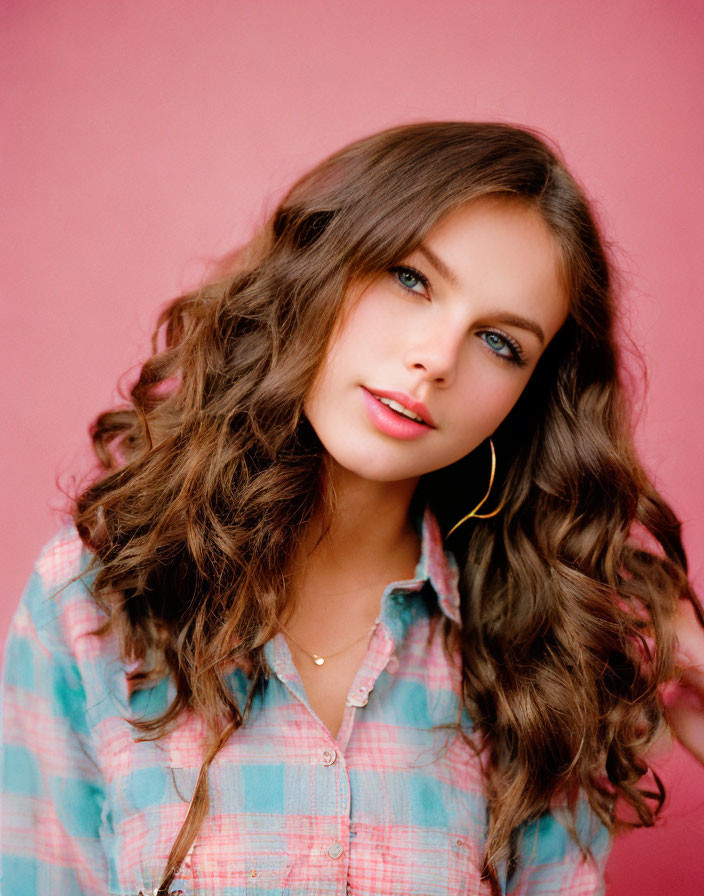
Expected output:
(391, 806)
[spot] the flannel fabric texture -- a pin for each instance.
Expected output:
(393, 805)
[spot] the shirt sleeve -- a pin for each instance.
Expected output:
(551, 861)
(52, 793)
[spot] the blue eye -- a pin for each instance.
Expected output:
(409, 278)
(504, 347)
(495, 341)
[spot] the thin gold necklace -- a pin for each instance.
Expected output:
(320, 660)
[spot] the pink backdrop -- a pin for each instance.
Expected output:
(141, 139)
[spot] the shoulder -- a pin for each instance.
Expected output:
(57, 606)
(61, 558)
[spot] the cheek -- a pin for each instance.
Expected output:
(369, 333)
(374, 320)
(492, 394)
(323, 405)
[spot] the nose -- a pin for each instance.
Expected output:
(435, 353)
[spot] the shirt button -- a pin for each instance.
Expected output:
(335, 851)
(329, 756)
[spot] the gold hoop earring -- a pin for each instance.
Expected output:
(473, 513)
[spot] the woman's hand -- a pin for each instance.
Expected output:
(684, 699)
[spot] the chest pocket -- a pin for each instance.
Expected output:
(248, 853)
(231, 854)
(267, 872)
(407, 861)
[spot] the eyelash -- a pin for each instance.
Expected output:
(516, 357)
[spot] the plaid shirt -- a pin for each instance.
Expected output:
(390, 806)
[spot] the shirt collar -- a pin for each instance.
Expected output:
(439, 567)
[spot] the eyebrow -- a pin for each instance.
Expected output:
(511, 320)
(523, 323)
(439, 265)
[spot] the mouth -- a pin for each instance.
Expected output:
(404, 406)
(392, 417)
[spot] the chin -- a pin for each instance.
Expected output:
(373, 468)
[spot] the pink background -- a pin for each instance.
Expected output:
(141, 139)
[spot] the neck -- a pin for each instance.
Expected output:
(344, 563)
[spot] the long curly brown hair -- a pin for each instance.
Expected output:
(212, 470)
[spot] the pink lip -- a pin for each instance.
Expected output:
(416, 406)
(388, 421)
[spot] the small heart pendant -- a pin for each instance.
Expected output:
(318, 660)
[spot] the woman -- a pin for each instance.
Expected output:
(372, 595)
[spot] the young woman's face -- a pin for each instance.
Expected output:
(451, 336)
